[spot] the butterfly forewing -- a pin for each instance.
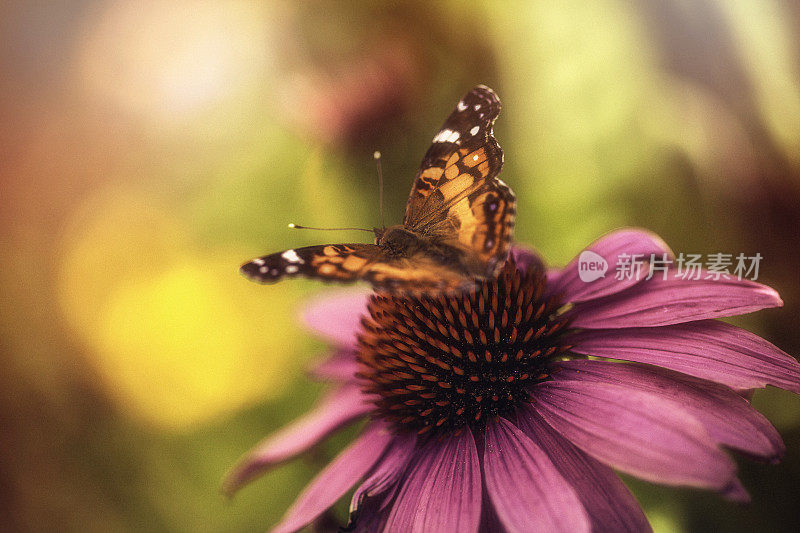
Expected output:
(350, 262)
(462, 153)
(456, 197)
(331, 262)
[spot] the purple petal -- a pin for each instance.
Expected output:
(526, 257)
(736, 492)
(633, 242)
(660, 302)
(728, 418)
(707, 349)
(343, 406)
(341, 366)
(442, 489)
(372, 517)
(527, 491)
(608, 502)
(336, 315)
(637, 432)
(341, 474)
(553, 274)
(490, 522)
(387, 472)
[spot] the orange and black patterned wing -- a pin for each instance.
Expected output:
(456, 198)
(345, 263)
(329, 262)
(418, 273)
(461, 157)
(481, 224)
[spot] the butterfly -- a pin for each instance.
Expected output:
(458, 221)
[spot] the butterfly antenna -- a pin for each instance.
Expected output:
(297, 226)
(377, 157)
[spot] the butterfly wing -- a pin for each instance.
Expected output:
(456, 198)
(346, 263)
(481, 224)
(418, 273)
(329, 262)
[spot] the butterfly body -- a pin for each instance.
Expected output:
(457, 226)
(400, 242)
(397, 241)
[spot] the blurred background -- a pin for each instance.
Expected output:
(149, 148)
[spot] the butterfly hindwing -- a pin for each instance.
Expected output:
(414, 274)
(484, 226)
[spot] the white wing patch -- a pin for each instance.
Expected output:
(292, 257)
(447, 136)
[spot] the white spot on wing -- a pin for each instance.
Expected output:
(475, 157)
(462, 106)
(446, 136)
(292, 257)
(477, 106)
(258, 261)
(263, 270)
(474, 130)
(291, 269)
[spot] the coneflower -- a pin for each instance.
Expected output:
(487, 412)
(443, 363)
